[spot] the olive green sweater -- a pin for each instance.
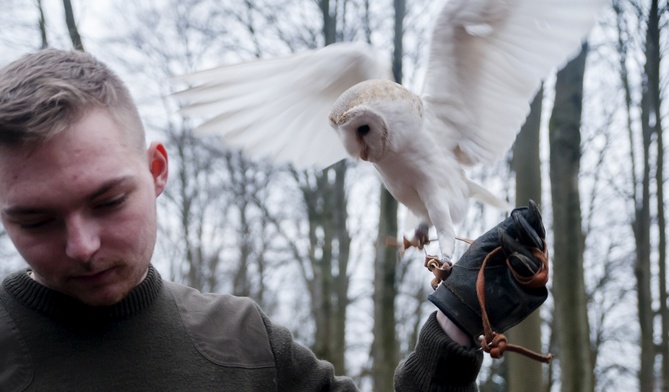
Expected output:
(168, 337)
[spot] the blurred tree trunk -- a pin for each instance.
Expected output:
(650, 114)
(385, 347)
(72, 26)
(571, 317)
(329, 242)
(662, 254)
(247, 183)
(655, 118)
(662, 258)
(640, 194)
(325, 200)
(329, 22)
(525, 375)
(193, 197)
(42, 26)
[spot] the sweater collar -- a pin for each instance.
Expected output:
(52, 303)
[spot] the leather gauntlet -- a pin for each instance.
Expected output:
(499, 280)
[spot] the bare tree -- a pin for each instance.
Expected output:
(42, 25)
(662, 250)
(385, 347)
(650, 116)
(525, 374)
(326, 269)
(648, 16)
(71, 25)
(571, 318)
(193, 199)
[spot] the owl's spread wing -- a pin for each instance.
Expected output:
(278, 108)
(487, 60)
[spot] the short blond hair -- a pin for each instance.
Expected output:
(43, 93)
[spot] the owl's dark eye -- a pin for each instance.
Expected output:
(363, 130)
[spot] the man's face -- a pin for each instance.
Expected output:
(81, 208)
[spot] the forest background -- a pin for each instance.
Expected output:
(310, 246)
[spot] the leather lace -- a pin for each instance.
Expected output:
(496, 343)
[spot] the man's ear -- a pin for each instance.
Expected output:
(158, 166)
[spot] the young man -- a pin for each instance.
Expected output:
(78, 189)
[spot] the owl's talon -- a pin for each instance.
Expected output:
(465, 240)
(420, 237)
(440, 267)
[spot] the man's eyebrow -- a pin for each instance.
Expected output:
(109, 185)
(16, 211)
(101, 190)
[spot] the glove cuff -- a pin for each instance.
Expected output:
(460, 307)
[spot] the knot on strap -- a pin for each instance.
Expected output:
(495, 344)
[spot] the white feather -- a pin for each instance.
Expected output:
(480, 86)
(278, 108)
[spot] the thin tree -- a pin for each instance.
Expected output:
(41, 23)
(72, 26)
(385, 347)
(524, 374)
(326, 268)
(640, 198)
(650, 114)
(324, 194)
(662, 253)
(571, 317)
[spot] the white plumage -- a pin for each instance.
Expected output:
(486, 61)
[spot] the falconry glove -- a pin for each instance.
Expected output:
(499, 280)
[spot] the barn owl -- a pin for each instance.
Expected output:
(486, 61)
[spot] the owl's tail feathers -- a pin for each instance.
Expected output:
(478, 192)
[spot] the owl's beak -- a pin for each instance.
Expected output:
(364, 152)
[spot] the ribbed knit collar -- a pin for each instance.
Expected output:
(54, 304)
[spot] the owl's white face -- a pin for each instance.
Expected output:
(364, 134)
(363, 115)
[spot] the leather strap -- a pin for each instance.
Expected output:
(496, 343)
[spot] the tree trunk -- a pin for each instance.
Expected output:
(652, 69)
(385, 347)
(72, 26)
(42, 25)
(341, 278)
(329, 242)
(662, 258)
(568, 284)
(525, 375)
(642, 219)
(329, 22)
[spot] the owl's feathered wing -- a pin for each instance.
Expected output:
(278, 108)
(487, 60)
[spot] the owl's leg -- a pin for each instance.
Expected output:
(441, 218)
(441, 266)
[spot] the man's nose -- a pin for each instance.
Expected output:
(83, 238)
